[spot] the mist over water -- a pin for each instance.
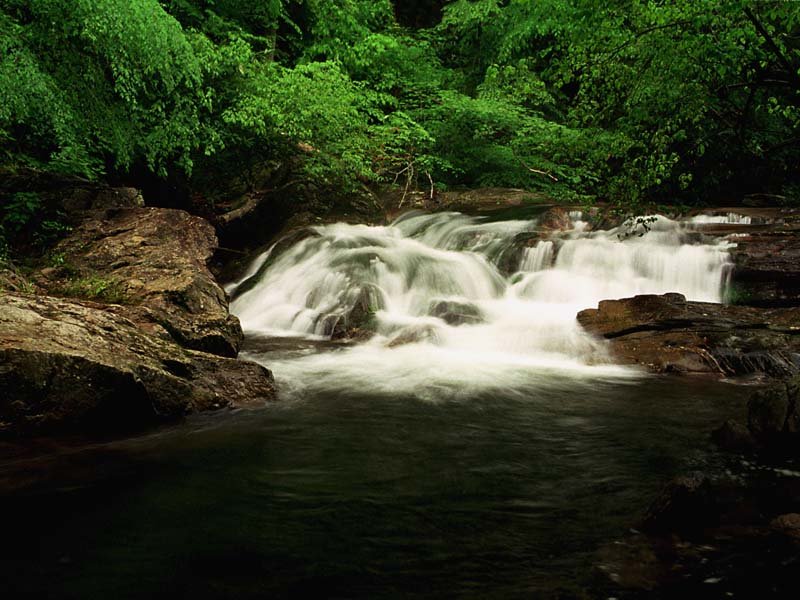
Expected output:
(460, 303)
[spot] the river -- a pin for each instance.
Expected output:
(477, 443)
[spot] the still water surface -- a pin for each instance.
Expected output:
(356, 496)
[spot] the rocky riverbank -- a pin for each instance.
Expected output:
(668, 334)
(712, 534)
(121, 325)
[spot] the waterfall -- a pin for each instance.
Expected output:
(730, 218)
(537, 258)
(436, 295)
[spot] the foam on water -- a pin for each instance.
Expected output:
(420, 275)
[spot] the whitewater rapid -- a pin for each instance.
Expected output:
(460, 304)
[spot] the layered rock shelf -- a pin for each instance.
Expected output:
(668, 334)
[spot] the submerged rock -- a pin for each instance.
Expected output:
(788, 524)
(687, 504)
(773, 417)
(769, 412)
(734, 437)
(358, 323)
(456, 313)
(154, 259)
(669, 334)
(67, 365)
(414, 334)
(705, 537)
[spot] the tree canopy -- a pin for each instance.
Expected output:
(620, 100)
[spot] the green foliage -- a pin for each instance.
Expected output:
(25, 218)
(16, 212)
(115, 80)
(627, 100)
(19, 210)
(685, 99)
(94, 287)
(56, 260)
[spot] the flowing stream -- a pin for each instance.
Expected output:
(470, 441)
(459, 304)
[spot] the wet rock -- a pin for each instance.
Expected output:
(773, 363)
(668, 334)
(477, 199)
(358, 323)
(788, 524)
(266, 212)
(414, 334)
(511, 258)
(636, 563)
(767, 262)
(614, 318)
(456, 313)
(686, 505)
(749, 560)
(773, 417)
(67, 365)
(767, 412)
(555, 219)
(284, 243)
(734, 437)
(154, 259)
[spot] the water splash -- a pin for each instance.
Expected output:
(445, 313)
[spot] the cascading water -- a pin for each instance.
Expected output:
(730, 218)
(538, 257)
(527, 451)
(458, 303)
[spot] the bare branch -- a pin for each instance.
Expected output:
(531, 169)
(409, 177)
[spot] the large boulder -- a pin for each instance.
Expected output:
(67, 365)
(667, 333)
(154, 260)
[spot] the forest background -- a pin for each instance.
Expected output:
(624, 101)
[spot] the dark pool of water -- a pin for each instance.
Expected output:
(350, 496)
